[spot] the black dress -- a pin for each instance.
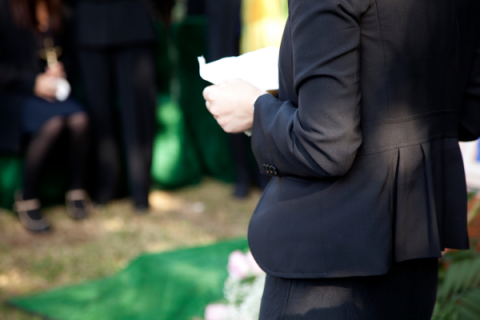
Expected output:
(21, 112)
(37, 111)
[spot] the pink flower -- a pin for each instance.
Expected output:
(216, 311)
(238, 265)
(254, 268)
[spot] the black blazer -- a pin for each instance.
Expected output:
(362, 143)
(101, 23)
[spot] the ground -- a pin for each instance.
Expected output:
(112, 236)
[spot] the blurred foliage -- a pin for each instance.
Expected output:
(458, 295)
(263, 22)
(474, 206)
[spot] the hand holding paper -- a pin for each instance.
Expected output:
(238, 82)
(231, 103)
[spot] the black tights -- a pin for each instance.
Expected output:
(41, 145)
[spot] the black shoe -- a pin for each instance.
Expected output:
(78, 204)
(141, 208)
(30, 215)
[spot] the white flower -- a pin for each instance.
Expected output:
(243, 290)
(238, 265)
(216, 311)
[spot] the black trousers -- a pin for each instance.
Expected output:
(406, 292)
(126, 72)
(223, 28)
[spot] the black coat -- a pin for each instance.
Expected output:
(19, 66)
(101, 23)
(362, 143)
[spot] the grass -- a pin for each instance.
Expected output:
(101, 245)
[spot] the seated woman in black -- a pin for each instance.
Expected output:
(29, 105)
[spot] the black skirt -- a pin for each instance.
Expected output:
(406, 292)
(37, 111)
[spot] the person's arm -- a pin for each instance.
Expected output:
(14, 80)
(470, 115)
(321, 137)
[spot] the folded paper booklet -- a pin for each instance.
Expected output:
(260, 68)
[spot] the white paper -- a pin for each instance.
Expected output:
(260, 68)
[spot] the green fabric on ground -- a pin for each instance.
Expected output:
(166, 286)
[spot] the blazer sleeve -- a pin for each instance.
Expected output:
(470, 114)
(321, 136)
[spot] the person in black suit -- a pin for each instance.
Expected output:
(115, 40)
(223, 30)
(368, 186)
(29, 109)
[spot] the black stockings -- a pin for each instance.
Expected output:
(41, 145)
(77, 124)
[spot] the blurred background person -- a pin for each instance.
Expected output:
(224, 33)
(29, 109)
(263, 22)
(223, 40)
(115, 40)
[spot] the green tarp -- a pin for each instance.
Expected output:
(167, 286)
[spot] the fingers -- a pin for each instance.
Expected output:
(207, 92)
(45, 87)
(210, 92)
(49, 71)
(213, 110)
(52, 91)
(50, 86)
(218, 98)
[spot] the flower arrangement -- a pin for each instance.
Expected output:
(243, 290)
